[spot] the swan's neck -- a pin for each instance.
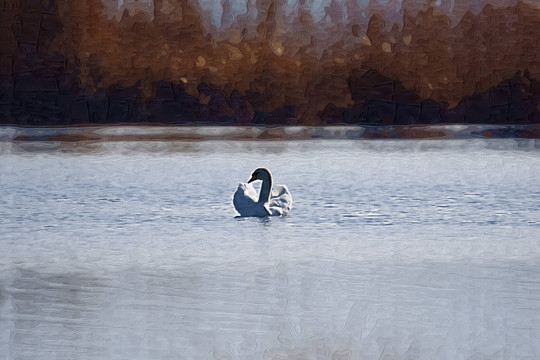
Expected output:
(266, 188)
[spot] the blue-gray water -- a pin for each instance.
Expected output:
(393, 250)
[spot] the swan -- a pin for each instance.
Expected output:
(271, 202)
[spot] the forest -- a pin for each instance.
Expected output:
(75, 62)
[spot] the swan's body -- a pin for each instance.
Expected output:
(270, 202)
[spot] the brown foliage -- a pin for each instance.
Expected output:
(274, 61)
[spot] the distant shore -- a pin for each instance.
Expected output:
(152, 132)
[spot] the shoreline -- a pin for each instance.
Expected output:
(153, 132)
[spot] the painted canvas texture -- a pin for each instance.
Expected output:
(269, 62)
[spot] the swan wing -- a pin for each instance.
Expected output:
(280, 201)
(245, 201)
(244, 197)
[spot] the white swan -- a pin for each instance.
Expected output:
(271, 202)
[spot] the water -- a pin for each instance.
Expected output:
(393, 250)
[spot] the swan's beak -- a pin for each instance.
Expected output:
(253, 178)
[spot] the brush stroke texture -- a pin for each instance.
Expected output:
(269, 62)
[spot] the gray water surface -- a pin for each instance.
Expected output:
(393, 250)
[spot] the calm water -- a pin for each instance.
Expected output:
(393, 250)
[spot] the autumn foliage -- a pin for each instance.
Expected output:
(276, 63)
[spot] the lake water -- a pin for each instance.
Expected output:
(424, 249)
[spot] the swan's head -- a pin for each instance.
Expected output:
(260, 174)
